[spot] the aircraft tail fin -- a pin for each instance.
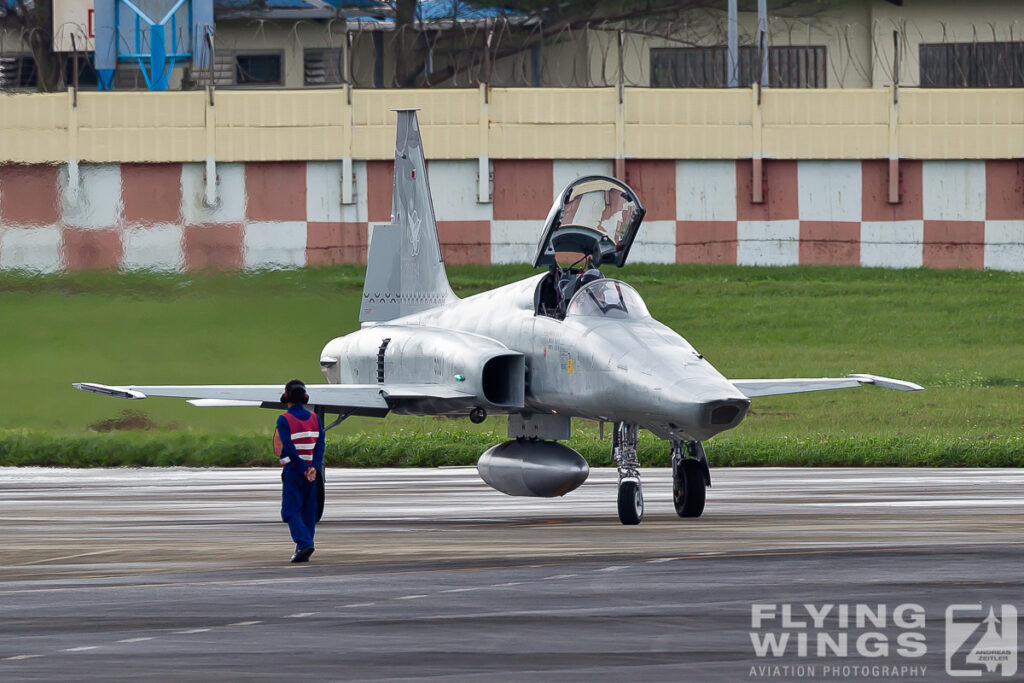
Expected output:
(405, 271)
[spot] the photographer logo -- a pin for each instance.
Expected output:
(981, 642)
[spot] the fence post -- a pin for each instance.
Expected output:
(210, 196)
(894, 120)
(483, 188)
(756, 121)
(620, 136)
(620, 112)
(73, 179)
(347, 179)
(894, 149)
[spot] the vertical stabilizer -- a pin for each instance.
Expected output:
(404, 269)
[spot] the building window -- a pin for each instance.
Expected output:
(258, 69)
(323, 67)
(972, 65)
(707, 67)
(18, 71)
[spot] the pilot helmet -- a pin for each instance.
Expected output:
(590, 276)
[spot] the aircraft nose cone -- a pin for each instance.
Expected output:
(715, 405)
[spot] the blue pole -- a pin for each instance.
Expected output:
(105, 57)
(158, 57)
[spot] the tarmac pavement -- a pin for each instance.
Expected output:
(183, 574)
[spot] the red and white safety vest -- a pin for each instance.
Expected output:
(304, 436)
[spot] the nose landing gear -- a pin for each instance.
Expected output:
(631, 497)
(690, 478)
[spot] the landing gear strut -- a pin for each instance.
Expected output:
(690, 478)
(631, 497)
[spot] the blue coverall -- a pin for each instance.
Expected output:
(299, 503)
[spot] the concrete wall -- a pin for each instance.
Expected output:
(952, 214)
(515, 123)
(120, 180)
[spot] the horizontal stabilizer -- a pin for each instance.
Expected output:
(773, 387)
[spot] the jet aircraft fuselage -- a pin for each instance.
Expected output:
(630, 368)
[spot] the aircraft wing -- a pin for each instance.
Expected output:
(772, 387)
(367, 399)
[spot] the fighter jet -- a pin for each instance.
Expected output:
(568, 343)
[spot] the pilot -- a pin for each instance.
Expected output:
(589, 276)
(573, 283)
(299, 443)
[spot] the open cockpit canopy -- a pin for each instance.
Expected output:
(594, 216)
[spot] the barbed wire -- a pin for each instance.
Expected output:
(684, 51)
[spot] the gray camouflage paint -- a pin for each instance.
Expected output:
(633, 370)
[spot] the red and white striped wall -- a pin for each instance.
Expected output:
(951, 214)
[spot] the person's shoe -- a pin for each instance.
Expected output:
(302, 554)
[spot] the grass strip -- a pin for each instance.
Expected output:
(451, 447)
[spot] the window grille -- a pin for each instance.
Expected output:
(18, 71)
(323, 67)
(972, 65)
(707, 67)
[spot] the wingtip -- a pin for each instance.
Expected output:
(887, 382)
(104, 390)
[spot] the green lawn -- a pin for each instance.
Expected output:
(958, 333)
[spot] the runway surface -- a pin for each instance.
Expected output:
(178, 573)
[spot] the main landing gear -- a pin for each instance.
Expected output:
(690, 478)
(631, 497)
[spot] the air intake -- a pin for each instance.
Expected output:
(725, 413)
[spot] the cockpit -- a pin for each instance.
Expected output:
(608, 299)
(593, 222)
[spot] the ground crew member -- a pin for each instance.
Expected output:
(299, 443)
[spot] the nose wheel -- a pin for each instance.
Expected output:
(690, 477)
(631, 496)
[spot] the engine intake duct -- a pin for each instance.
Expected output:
(541, 469)
(503, 380)
(725, 413)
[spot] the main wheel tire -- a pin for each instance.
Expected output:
(631, 503)
(688, 488)
(321, 493)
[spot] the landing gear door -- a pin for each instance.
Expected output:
(596, 216)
